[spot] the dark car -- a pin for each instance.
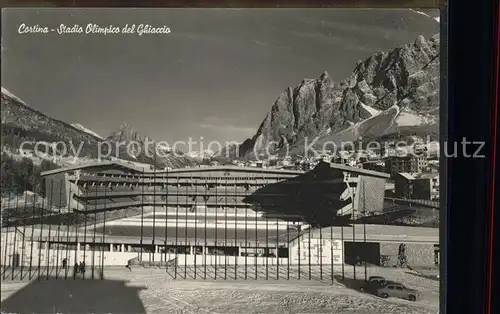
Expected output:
(397, 290)
(375, 282)
(372, 280)
(375, 278)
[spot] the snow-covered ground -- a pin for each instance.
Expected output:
(160, 293)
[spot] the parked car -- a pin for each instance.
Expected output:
(375, 278)
(397, 290)
(375, 282)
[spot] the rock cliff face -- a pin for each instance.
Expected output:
(406, 77)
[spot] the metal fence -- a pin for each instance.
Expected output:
(72, 231)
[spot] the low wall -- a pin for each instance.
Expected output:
(43, 257)
(37, 254)
(416, 254)
(270, 225)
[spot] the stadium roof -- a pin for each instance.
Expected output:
(131, 166)
(87, 165)
(135, 168)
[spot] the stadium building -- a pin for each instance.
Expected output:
(215, 215)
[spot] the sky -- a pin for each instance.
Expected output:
(215, 75)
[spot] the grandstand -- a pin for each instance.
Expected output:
(121, 212)
(318, 197)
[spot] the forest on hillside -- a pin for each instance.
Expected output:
(21, 174)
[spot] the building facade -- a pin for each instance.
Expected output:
(421, 186)
(369, 243)
(374, 165)
(329, 188)
(315, 247)
(408, 164)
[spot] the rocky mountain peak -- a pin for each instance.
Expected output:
(407, 76)
(125, 133)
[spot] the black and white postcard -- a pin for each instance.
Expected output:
(220, 160)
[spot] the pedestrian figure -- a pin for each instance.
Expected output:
(402, 249)
(82, 268)
(64, 263)
(402, 255)
(75, 270)
(436, 254)
(128, 265)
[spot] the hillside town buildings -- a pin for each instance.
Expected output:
(410, 164)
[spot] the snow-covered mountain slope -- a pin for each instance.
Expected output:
(372, 111)
(407, 117)
(394, 121)
(200, 154)
(434, 17)
(21, 122)
(9, 94)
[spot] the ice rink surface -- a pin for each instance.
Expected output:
(153, 290)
